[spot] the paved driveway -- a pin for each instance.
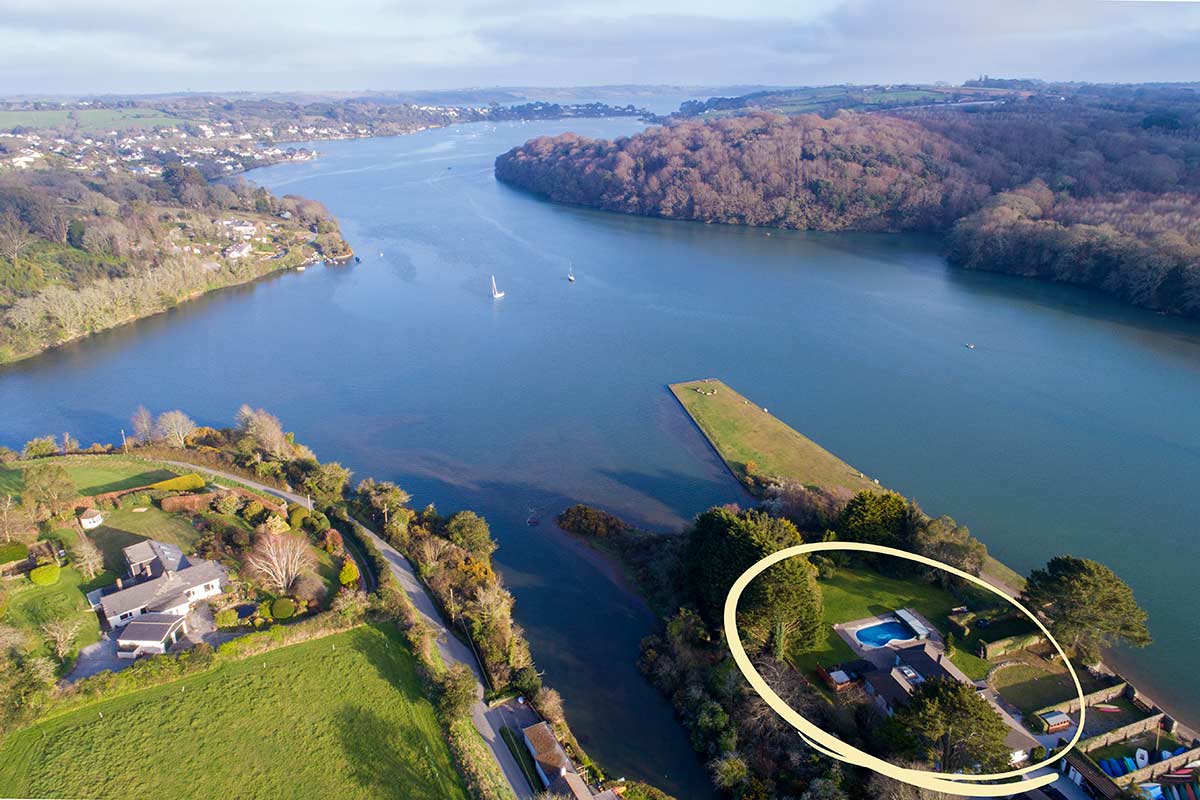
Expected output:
(97, 657)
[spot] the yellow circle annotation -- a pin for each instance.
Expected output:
(966, 785)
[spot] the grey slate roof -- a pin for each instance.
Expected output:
(168, 555)
(150, 628)
(154, 593)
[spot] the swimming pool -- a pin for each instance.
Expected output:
(884, 632)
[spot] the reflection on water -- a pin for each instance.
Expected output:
(1072, 427)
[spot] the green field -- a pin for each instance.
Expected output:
(93, 475)
(87, 118)
(853, 594)
(742, 432)
(339, 717)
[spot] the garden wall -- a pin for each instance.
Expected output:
(1099, 696)
(1122, 733)
(1174, 762)
(990, 650)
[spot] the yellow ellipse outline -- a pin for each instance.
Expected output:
(835, 748)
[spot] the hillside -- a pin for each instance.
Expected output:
(1095, 186)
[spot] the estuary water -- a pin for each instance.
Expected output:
(1073, 426)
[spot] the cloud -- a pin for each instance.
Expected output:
(91, 46)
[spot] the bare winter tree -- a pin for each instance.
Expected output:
(14, 236)
(87, 557)
(60, 635)
(265, 429)
(174, 427)
(143, 425)
(280, 559)
(12, 517)
(41, 669)
(10, 639)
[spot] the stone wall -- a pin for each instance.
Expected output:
(1150, 772)
(1100, 696)
(1122, 733)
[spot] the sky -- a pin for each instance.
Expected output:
(141, 46)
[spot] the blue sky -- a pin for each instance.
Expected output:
(90, 46)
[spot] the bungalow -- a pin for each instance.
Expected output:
(91, 518)
(150, 634)
(555, 770)
(167, 582)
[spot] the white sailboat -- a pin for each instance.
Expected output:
(571, 273)
(496, 293)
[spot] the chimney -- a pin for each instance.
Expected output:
(170, 573)
(118, 584)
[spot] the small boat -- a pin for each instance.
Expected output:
(571, 273)
(496, 293)
(1129, 763)
(1107, 708)
(357, 260)
(1142, 757)
(970, 345)
(533, 520)
(300, 268)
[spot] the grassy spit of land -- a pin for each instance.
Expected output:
(746, 435)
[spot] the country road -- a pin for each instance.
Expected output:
(291, 497)
(488, 721)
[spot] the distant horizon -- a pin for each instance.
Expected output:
(147, 47)
(517, 88)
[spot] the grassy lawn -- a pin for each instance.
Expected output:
(742, 432)
(1030, 687)
(30, 606)
(342, 717)
(516, 744)
(93, 475)
(122, 528)
(857, 593)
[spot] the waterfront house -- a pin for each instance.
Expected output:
(239, 250)
(554, 768)
(164, 581)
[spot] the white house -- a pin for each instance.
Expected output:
(165, 582)
(150, 634)
(239, 250)
(91, 518)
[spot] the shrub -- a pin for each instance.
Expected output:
(349, 573)
(283, 608)
(588, 521)
(228, 504)
(1037, 754)
(296, 517)
(13, 552)
(316, 522)
(45, 575)
(135, 500)
(226, 618)
(333, 541)
(527, 682)
(253, 512)
(38, 448)
(183, 483)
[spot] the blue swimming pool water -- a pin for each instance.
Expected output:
(884, 632)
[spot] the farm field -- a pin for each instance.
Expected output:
(342, 716)
(88, 119)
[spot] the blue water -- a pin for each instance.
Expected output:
(1073, 427)
(884, 632)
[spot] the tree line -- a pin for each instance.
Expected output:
(1095, 188)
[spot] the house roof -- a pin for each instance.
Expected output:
(930, 663)
(165, 591)
(91, 513)
(571, 785)
(546, 750)
(151, 628)
(148, 550)
(892, 686)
